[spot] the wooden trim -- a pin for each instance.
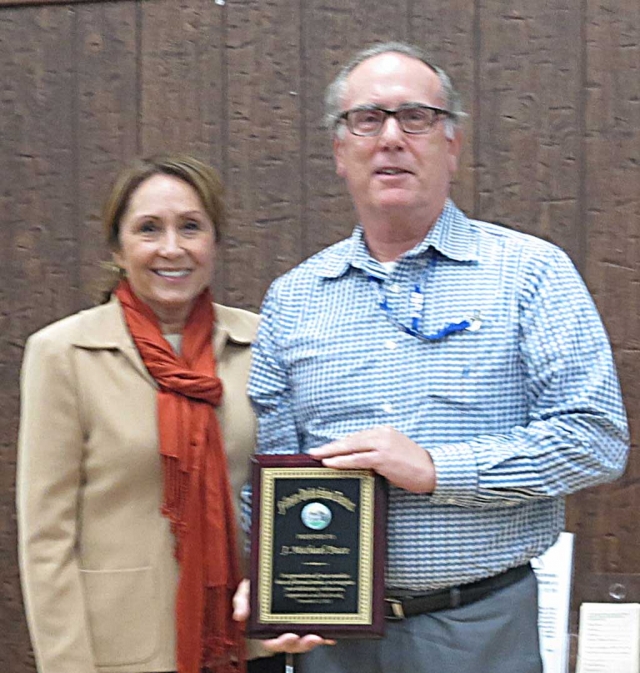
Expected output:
(17, 3)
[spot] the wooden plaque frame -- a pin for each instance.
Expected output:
(318, 544)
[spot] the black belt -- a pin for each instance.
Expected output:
(399, 607)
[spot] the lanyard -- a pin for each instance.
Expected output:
(416, 306)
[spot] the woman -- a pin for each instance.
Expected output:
(135, 437)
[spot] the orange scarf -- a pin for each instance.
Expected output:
(197, 494)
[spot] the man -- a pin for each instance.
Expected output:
(464, 362)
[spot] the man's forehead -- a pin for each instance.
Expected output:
(390, 60)
(389, 74)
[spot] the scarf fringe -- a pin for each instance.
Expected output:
(176, 487)
(222, 652)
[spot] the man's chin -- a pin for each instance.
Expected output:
(396, 200)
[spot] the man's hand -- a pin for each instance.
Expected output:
(287, 642)
(385, 450)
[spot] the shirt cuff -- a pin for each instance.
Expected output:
(456, 474)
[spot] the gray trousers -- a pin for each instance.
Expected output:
(498, 634)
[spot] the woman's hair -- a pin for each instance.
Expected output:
(203, 178)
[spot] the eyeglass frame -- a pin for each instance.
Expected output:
(439, 113)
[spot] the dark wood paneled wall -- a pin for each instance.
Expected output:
(552, 148)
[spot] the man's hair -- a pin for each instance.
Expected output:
(337, 89)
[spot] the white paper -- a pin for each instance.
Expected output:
(553, 571)
(609, 638)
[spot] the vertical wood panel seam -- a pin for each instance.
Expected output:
(224, 119)
(302, 106)
(138, 47)
(581, 210)
(75, 157)
(474, 113)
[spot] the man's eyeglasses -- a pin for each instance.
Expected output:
(412, 118)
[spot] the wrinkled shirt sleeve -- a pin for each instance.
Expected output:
(270, 394)
(577, 433)
(269, 386)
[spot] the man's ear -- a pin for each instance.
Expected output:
(453, 134)
(338, 150)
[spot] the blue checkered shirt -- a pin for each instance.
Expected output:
(516, 414)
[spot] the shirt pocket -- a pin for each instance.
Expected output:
(123, 614)
(474, 370)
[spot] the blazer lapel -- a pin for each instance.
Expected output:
(106, 330)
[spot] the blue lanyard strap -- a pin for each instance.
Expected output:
(416, 303)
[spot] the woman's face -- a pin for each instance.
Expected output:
(167, 247)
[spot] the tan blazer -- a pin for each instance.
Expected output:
(96, 556)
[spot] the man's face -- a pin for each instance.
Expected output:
(395, 174)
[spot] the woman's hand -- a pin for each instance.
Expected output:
(287, 642)
(241, 602)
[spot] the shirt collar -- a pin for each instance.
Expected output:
(452, 236)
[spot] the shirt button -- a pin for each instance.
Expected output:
(395, 288)
(390, 344)
(387, 408)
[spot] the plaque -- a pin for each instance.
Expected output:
(317, 549)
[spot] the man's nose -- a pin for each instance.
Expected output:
(391, 131)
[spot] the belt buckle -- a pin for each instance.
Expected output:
(396, 609)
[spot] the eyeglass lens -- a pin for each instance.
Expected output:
(411, 119)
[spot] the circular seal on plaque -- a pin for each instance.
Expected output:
(316, 516)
